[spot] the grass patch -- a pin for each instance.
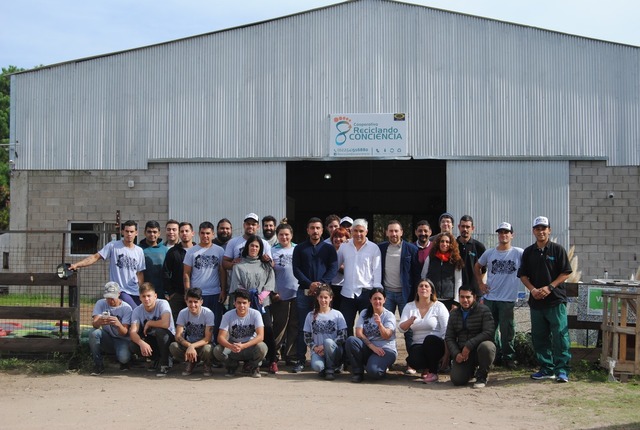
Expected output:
(47, 366)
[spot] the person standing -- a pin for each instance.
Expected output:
(173, 269)
(203, 269)
(444, 268)
(315, 262)
(423, 234)
(154, 254)
(126, 263)
(470, 250)
(233, 250)
(400, 274)
(269, 230)
(445, 221)
(362, 272)
(544, 268)
(501, 291)
(171, 231)
(283, 303)
(224, 231)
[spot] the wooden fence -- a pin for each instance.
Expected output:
(66, 312)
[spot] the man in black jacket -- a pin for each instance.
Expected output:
(173, 270)
(469, 339)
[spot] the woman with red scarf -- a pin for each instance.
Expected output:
(443, 266)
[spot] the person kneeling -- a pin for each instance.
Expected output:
(468, 337)
(240, 337)
(324, 332)
(194, 332)
(374, 345)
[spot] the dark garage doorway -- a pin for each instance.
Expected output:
(377, 190)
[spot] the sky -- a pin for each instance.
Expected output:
(44, 32)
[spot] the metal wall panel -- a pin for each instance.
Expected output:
(512, 191)
(472, 88)
(211, 191)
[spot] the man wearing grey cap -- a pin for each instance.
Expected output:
(501, 290)
(543, 270)
(111, 320)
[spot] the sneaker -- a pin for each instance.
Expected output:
(97, 371)
(562, 377)
(322, 373)
(273, 368)
(188, 369)
(541, 375)
(231, 372)
(357, 378)
(430, 377)
(164, 370)
(208, 370)
(216, 364)
(339, 370)
(124, 367)
(329, 376)
(299, 367)
(255, 373)
(153, 365)
(480, 382)
(410, 371)
(246, 368)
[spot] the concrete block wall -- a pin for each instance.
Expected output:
(56, 197)
(604, 230)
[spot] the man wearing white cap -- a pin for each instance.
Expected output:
(543, 270)
(111, 321)
(233, 251)
(501, 290)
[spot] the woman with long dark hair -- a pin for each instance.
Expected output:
(257, 277)
(427, 318)
(443, 267)
(373, 348)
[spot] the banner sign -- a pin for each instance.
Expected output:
(368, 135)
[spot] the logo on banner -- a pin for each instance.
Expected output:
(343, 125)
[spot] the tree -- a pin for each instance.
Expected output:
(5, 171)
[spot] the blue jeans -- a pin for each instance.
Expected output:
(362, 358)
(395, 300)
(217, 308)
(331, 358)
(99, 341)
(304, 305)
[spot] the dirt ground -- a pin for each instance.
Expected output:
(139, 399)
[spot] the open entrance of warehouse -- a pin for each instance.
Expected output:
(378, 190)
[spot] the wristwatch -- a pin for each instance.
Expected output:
(551, 287)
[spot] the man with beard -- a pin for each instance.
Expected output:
(224, 230)
(315, 262)
(423, 233)
(470, 251)
(269, 230)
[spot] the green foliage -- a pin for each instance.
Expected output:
(525, 355)
(5, 97)
(47, 366)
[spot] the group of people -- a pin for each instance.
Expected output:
(334, 298)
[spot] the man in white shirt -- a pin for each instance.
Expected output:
(362, 271)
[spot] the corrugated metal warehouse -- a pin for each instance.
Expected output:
(503, 122)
